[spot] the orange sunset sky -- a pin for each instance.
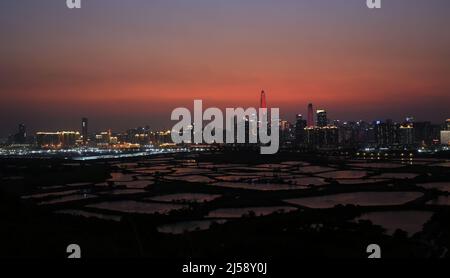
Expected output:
(130, 63)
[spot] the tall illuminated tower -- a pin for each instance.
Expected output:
(84, 130)
(263, 103)
(265, 116)
(310, 115)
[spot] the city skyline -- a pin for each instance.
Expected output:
(311, 115)
(123, 71)
(186, 133)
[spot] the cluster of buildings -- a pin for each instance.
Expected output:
(323, 133)
(315, 132)
(131, 139)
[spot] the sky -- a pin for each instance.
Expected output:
(129, 63)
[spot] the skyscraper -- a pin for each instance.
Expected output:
(385, 133)
(263, 103)
(310, 115)
(300, 125)
(423, 134)
(406, 134)
(84, 130)
(322, 120)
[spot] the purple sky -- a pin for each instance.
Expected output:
(130, 63)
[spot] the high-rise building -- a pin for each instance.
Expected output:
(263, 103)
(48, 139)
(423, 133)
(348, 133)
(68, 138)
(84, 130)
(310, 115)
(322, 120)
(329, 136)
(300, 125)
(445, 134)
(445, 137)
(363, 132)
(285, 131)
(435, 134)
(385, 134)
(322, 137)
(406, 134)
(103, 139)
(56, 140)
(21, 136)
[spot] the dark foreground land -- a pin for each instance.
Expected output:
(226, 205)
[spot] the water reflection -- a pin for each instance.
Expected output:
(259, 186)
(69, 198)
(88, 214)
(137, 207)
(440, 201)
(185, 197)
(441, 186)
(359, 198)
(239, 212)
(188, 226)
(344, 174)
(396, 176)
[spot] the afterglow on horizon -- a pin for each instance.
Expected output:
(130, 63)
